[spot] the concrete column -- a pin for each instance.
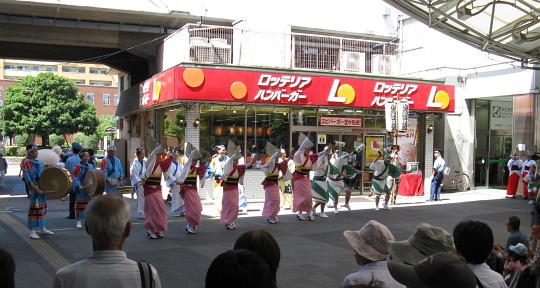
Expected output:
(428, 154)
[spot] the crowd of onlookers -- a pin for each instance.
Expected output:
(430, 257)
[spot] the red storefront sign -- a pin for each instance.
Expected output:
(292, 89)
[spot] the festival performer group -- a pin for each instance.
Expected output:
(286, 183)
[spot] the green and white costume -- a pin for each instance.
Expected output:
(383, 169)
(319, 187)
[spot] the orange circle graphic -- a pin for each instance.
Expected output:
(346, 91)
(443, 98)
(193, 77)
(238, 90)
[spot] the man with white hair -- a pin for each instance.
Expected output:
(113, 171)
(107, 222)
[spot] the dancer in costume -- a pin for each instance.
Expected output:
(138, 172)
(379, 183)
(82, 199)
(113, 171)
(533, 182)
(285, 186)
(339, 176)
(527, 164)
(32, 169)
(154, 208)
(233, 174)
(305, 161)
(216, 166)
(271, 169)
(514, 166)
(177, 203)
(194, 168)
(319, 186)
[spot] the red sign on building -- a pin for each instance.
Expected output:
(292, 89)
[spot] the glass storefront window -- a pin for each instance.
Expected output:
(247, 126)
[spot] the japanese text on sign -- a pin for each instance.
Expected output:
(339, 121)
(385, 93)
(276, 88)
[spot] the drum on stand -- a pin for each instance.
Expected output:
(94, 183)
(55, 182)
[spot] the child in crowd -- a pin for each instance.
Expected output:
(517, 261)
(533, 181)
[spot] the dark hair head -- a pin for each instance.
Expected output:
(81, 154)
(7, 269)
(473, 240)
(262, 243)
(513, 222)
(91, 152)
(239, 269)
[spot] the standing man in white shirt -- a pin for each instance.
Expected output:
(138, 170)
(107, 222)
(438, 176)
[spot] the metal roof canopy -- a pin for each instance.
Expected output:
(510, 28)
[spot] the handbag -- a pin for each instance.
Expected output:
(146, 274)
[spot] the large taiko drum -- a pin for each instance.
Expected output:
(55, 182)
(94, 183)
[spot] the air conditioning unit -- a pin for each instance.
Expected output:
(353, 62)
(383, 64)
(222, 51)
(200, 50)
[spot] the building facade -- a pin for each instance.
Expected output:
(252, 84)
(497, 113)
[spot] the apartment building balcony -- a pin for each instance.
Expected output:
(278, 46)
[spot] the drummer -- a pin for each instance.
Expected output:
(71, 162)
(32, 169)
(113, 171)
(78, 177)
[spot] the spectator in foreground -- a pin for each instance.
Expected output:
(425, 241)
(370, 245)
(512, 226)
(7, 269)
(239, 269)
(441, 270)
(264, 244)
(474, 242)
(107, 222)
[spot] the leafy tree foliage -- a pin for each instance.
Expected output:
(105, 122)
(56, 140)
(47, 104)
(86, 141)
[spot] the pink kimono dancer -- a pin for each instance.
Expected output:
(302, 194)
(192, 203)
(229, 210)
(272, 201)
(154, 209)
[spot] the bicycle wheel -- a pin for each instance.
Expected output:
(462, 182)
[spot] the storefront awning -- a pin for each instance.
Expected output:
(129, 101)
(506, 28)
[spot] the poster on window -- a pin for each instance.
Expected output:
(374, 143)
(407, 141)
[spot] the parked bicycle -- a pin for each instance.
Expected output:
(459, 179)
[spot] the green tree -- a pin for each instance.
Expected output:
(47, 104)
(105, 121)
(87, 141)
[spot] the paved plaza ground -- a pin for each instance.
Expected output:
(313, 254)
